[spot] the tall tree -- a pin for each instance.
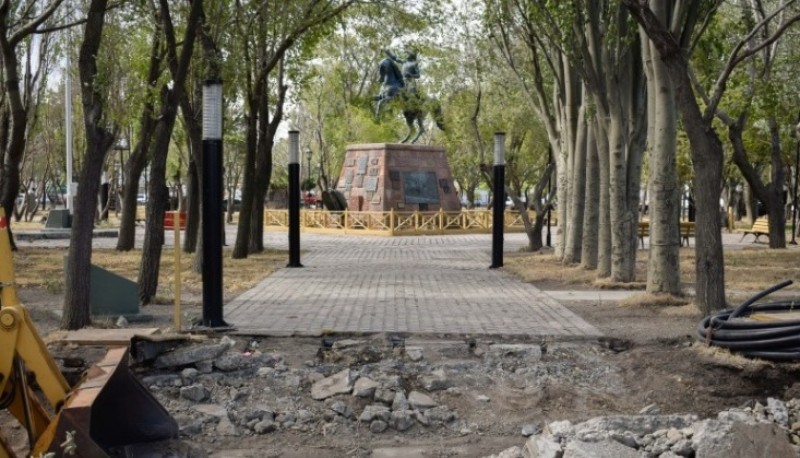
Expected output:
(706, 147)
(18, 21)
(268, 32)
(157, 192)
(99, 138)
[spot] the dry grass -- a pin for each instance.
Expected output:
(746, 270)
(43, 267)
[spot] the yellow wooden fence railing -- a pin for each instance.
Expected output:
(394, 222)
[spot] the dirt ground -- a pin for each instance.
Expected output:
(648, 356)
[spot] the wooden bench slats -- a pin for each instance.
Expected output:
(760, 227)
(686, 230)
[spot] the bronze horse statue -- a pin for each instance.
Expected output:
(415, 106)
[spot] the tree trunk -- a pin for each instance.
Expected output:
(591, 218)
(707, 158)
(663, 273)
(76, 313)
(573, 231)
(604, 224)
(193, 211)
(154, 233)
(138, 158)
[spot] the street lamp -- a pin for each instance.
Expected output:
(212, 204)
(294, 200)
(499, 199)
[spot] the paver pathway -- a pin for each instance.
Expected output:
(434, 284)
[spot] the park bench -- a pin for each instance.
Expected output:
(760, 227)
(686, 231)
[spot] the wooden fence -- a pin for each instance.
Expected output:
(395, 223)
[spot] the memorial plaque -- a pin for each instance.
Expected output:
(348, 177)
(420, 187)
(359, 182)
(372, 184)
(362, 165)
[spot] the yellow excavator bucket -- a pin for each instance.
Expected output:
(106, 411)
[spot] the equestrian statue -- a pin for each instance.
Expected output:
(401, 85)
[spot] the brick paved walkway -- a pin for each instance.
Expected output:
(400, 284)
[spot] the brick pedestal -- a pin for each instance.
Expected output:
(385, 176)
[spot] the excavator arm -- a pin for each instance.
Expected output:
(108, 409)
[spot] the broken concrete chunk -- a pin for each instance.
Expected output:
(539, 446)
(530, 429)
(346, 343)
(365, 387)
(436, 381)
(599, 427)
(779, 412)
(340, 383)
(513, 452)
(214, 410)
(373, 412)
(342, 409)
(265, 426)
(378, 426)
(560, 429)
(609, 448)
(399, 402)
(226, 428)
(194, 393)
(420, 401)
(715, 439)
(414, 353)
(231, 361)
(384, 395)
(651, 409)
(190, 355)
(527, 351)
(401, 420)
(439, 415)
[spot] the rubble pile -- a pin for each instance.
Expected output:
(383, 387)
(771, 430)
(220, 388)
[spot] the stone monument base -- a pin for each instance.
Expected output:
(402, 177)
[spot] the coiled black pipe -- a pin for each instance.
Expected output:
(772, 340)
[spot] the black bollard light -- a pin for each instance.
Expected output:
(294, 200)
(212, 204)
(499, 199)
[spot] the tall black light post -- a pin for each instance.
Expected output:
(499, 199)
(794, 192)
(294, 200)
(212, 204)
(549, 197)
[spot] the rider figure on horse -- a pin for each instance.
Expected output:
(391, 79)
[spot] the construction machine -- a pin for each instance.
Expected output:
(101, 416)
